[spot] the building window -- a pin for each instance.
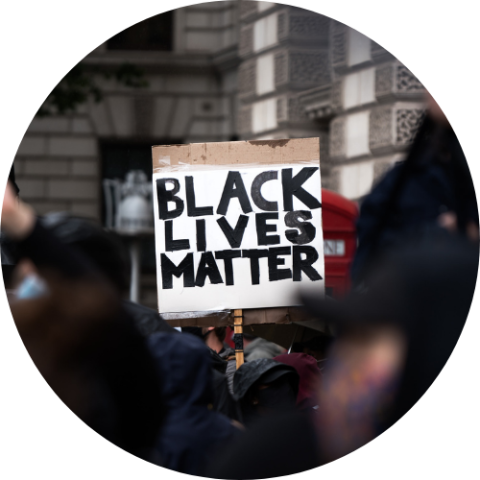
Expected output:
(265, 32)
(359, 88)
(264, 115)
(155, 33)
(356, 180)
(262, 6)
(356, 134)
(358, 48)
(265, 74)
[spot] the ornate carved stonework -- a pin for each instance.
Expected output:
(247, 77)
(245, 121)
(247, 8)
(380, 132)
(406, 81)
(337, 138)
(296, 110)
(282, 25)
(246, 41)
(281, 68)
(312, 26)
(337, 95)
(282, 110)
(407, 123)
(384, 80)
(339, 44)
(309, 68)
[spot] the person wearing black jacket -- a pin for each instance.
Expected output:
(429, 193)
(81, 340)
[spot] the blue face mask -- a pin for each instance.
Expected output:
(32, 286)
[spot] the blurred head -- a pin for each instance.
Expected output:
(104, 248)
(394, 339)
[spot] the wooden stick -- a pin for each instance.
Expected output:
(238, 336)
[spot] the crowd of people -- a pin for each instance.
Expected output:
(176, 399)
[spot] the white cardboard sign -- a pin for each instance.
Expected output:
(237, 237)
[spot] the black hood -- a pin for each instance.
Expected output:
(262, 369)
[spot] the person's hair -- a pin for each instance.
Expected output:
(103, 247)
(221, 332)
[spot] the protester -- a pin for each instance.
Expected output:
(223, 401)
(263, 387)
(109, 255)
(309, 378)
(392, 343)
(192, 433)
(79, 338)
(431, 190)
(214, 339)
(394, 339)
(261, 348)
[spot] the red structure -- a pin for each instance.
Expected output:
(339, 216)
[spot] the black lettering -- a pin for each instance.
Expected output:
(192, 209)
(234, 179)
(227, 256)
(201, 236)
(234, 235)
(263, 228)
(307, 230)
(207, 268)
(164, 196)
(172, 245)
(169, 269)
(305, 264)
(293, 186)
(274, 273)
(254, 255)
(256, 191)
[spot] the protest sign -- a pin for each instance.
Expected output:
(238, 225)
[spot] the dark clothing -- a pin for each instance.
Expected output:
(223, 401)
(147, 320)
(87, 348)
(263, 370)
(437, 285)
(407, 202)
(276, 446)
(309, 373)
(264, 387)
(192, 432)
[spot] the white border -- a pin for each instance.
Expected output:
(41, 41)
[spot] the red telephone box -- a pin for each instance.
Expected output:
(339, 241)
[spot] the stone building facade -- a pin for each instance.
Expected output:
(225, 71)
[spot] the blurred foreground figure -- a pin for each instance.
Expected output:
(192, 433)
(70, 319)
(392, 342)
(109, 256)
(431, 191)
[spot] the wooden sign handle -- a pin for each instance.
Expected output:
(238, 336)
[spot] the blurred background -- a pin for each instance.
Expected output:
(214, 72)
